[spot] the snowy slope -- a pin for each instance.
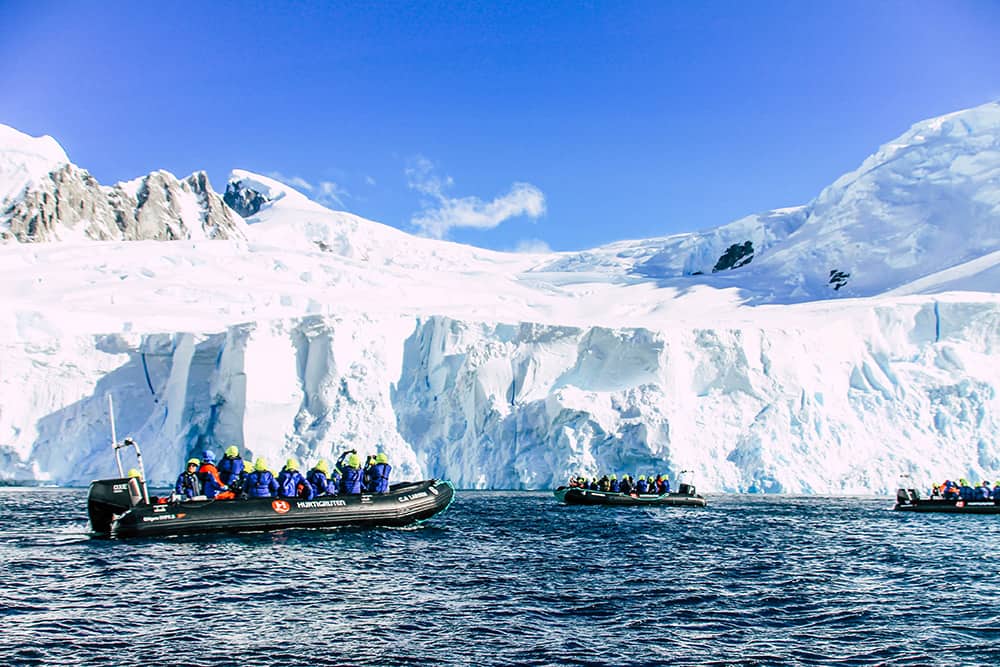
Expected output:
(25, 161)
(311, 330)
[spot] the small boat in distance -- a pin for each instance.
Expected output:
(685, 496)
(909, 500)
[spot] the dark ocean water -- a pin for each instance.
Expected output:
(511, 579)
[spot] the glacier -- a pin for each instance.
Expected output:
(262, 319)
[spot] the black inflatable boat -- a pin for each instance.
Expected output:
(908, 500)
(685, 497)
(119, 508)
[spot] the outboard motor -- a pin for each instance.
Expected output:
(686, 489)
(903, 497)
(110, 498)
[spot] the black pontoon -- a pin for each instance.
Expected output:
(684, 497)
(908, 500)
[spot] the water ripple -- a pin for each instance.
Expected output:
(511, 578)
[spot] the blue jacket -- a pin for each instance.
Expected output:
(208, 473)
(188, 485)
(321, 484)
(996, 492)
(641, 486)
(982, 493)
(378, 477)
(230, 470)
(351, 480)
(289, 482)
(616, 486)
(966, 492)
(260, 484)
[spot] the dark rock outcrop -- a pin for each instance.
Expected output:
(245, 201)
(838, 278)
(736, 255)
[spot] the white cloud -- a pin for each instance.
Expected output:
(442, 213)
(326, 193)
(329, 193)
(295, 181)
(532, 246)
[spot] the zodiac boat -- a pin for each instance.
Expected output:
(122, 507)
(908, 500)
(684, 497)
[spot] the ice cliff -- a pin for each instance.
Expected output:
(826, 348)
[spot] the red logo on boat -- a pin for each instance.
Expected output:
(960, 503)
(280, 506)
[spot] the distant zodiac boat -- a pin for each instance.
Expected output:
(685, 497)
(908, 500)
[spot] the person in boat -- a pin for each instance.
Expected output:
(982, 491)
(188, 484)
(319, 478)
(594, 484)
(950, 490)
(212, 485)
(231, 467)
(641, 486)
(965, 491)
(663, 484)
(260, 483)
(292, 484)
(377, 474)
(349, 466)
(935, 492)
(615, 486)
(626, 484)
(604, 483)
(996, 492)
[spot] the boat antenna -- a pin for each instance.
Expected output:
(114, 436)
(128, 442)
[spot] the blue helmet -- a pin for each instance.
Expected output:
(207, 457)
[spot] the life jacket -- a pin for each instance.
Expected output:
(291, 484)
(260, 484)
(351, 480)
(230, 469)
(641, 486)
(616, 486)
(211, 483)
(379, 478)
(188, 484)
(321, 485)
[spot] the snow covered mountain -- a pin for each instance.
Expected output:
(824, 348)
(44, 197)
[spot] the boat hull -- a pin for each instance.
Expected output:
(949, 506)
(577, 496)
(403, 505)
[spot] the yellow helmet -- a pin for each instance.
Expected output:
(232, 451)
(323, 466)
(381, 458)
(353, 461)
(133, 472)
(291, 464)
(260, 465)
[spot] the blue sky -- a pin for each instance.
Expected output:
(571, 124)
